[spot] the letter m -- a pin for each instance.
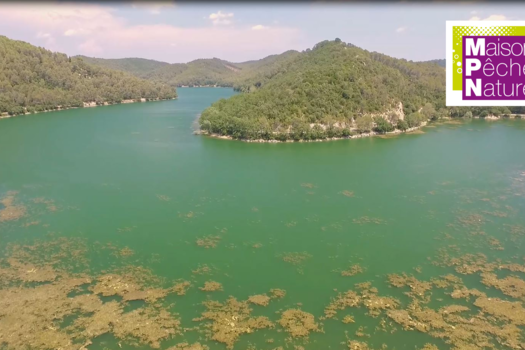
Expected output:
(475, 49)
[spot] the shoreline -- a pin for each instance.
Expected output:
(357, 136)
(86, 105)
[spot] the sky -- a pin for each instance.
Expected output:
(178, 32)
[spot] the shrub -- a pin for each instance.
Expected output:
(382, 125)
(402, 125)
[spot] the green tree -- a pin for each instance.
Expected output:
(382, 125)
(428, 111)
(364, 124)
(402, 125)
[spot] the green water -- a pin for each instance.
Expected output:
(108, 169)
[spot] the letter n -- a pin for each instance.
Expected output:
(470, 86)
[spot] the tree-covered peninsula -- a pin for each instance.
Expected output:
(334, 90)
(33, 79)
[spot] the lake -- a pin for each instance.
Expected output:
(127, 191)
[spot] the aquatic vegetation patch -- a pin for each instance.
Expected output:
(295, 258)
(187, 346)
(126, 287)
(49, 203)
(418, 289)
(366, 297)
(211, 286)
(34, 314)
(512, 285)
(277, 293)
(307, 185)
(368, 220)
(229, 320)
(146, 326)
(298, 323)
(352, 270)
(124, 252)
(209, 241)
(471, 220)
(181, 288)
(348, 319)
(259, 299)
(188, 215)
(347, 193)
(11, 211)
(202, 270)
(291, 224)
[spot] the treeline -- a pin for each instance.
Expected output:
(441, 63)
(139, 67)
(335, 90)
(244, 76)
(34, 79)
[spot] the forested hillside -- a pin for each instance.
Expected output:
(34, 79)
(335, 90)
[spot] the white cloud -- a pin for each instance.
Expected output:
(221, 18)
(259, 27)
(490, 18)
(77, 32)
(43, 35)
(94, 29)
(401, 29)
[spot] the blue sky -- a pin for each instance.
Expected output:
(235, 31)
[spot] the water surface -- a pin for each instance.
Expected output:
(135, 176)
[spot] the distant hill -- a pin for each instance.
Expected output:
(441, 63)
(200, 72)
(34, 79)
(139, 67)
(244, 76)
(255, 74)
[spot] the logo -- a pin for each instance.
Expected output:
(485, 63)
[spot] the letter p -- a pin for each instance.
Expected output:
(471, 64)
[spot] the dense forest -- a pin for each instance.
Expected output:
(34, 79)
(335, 90)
